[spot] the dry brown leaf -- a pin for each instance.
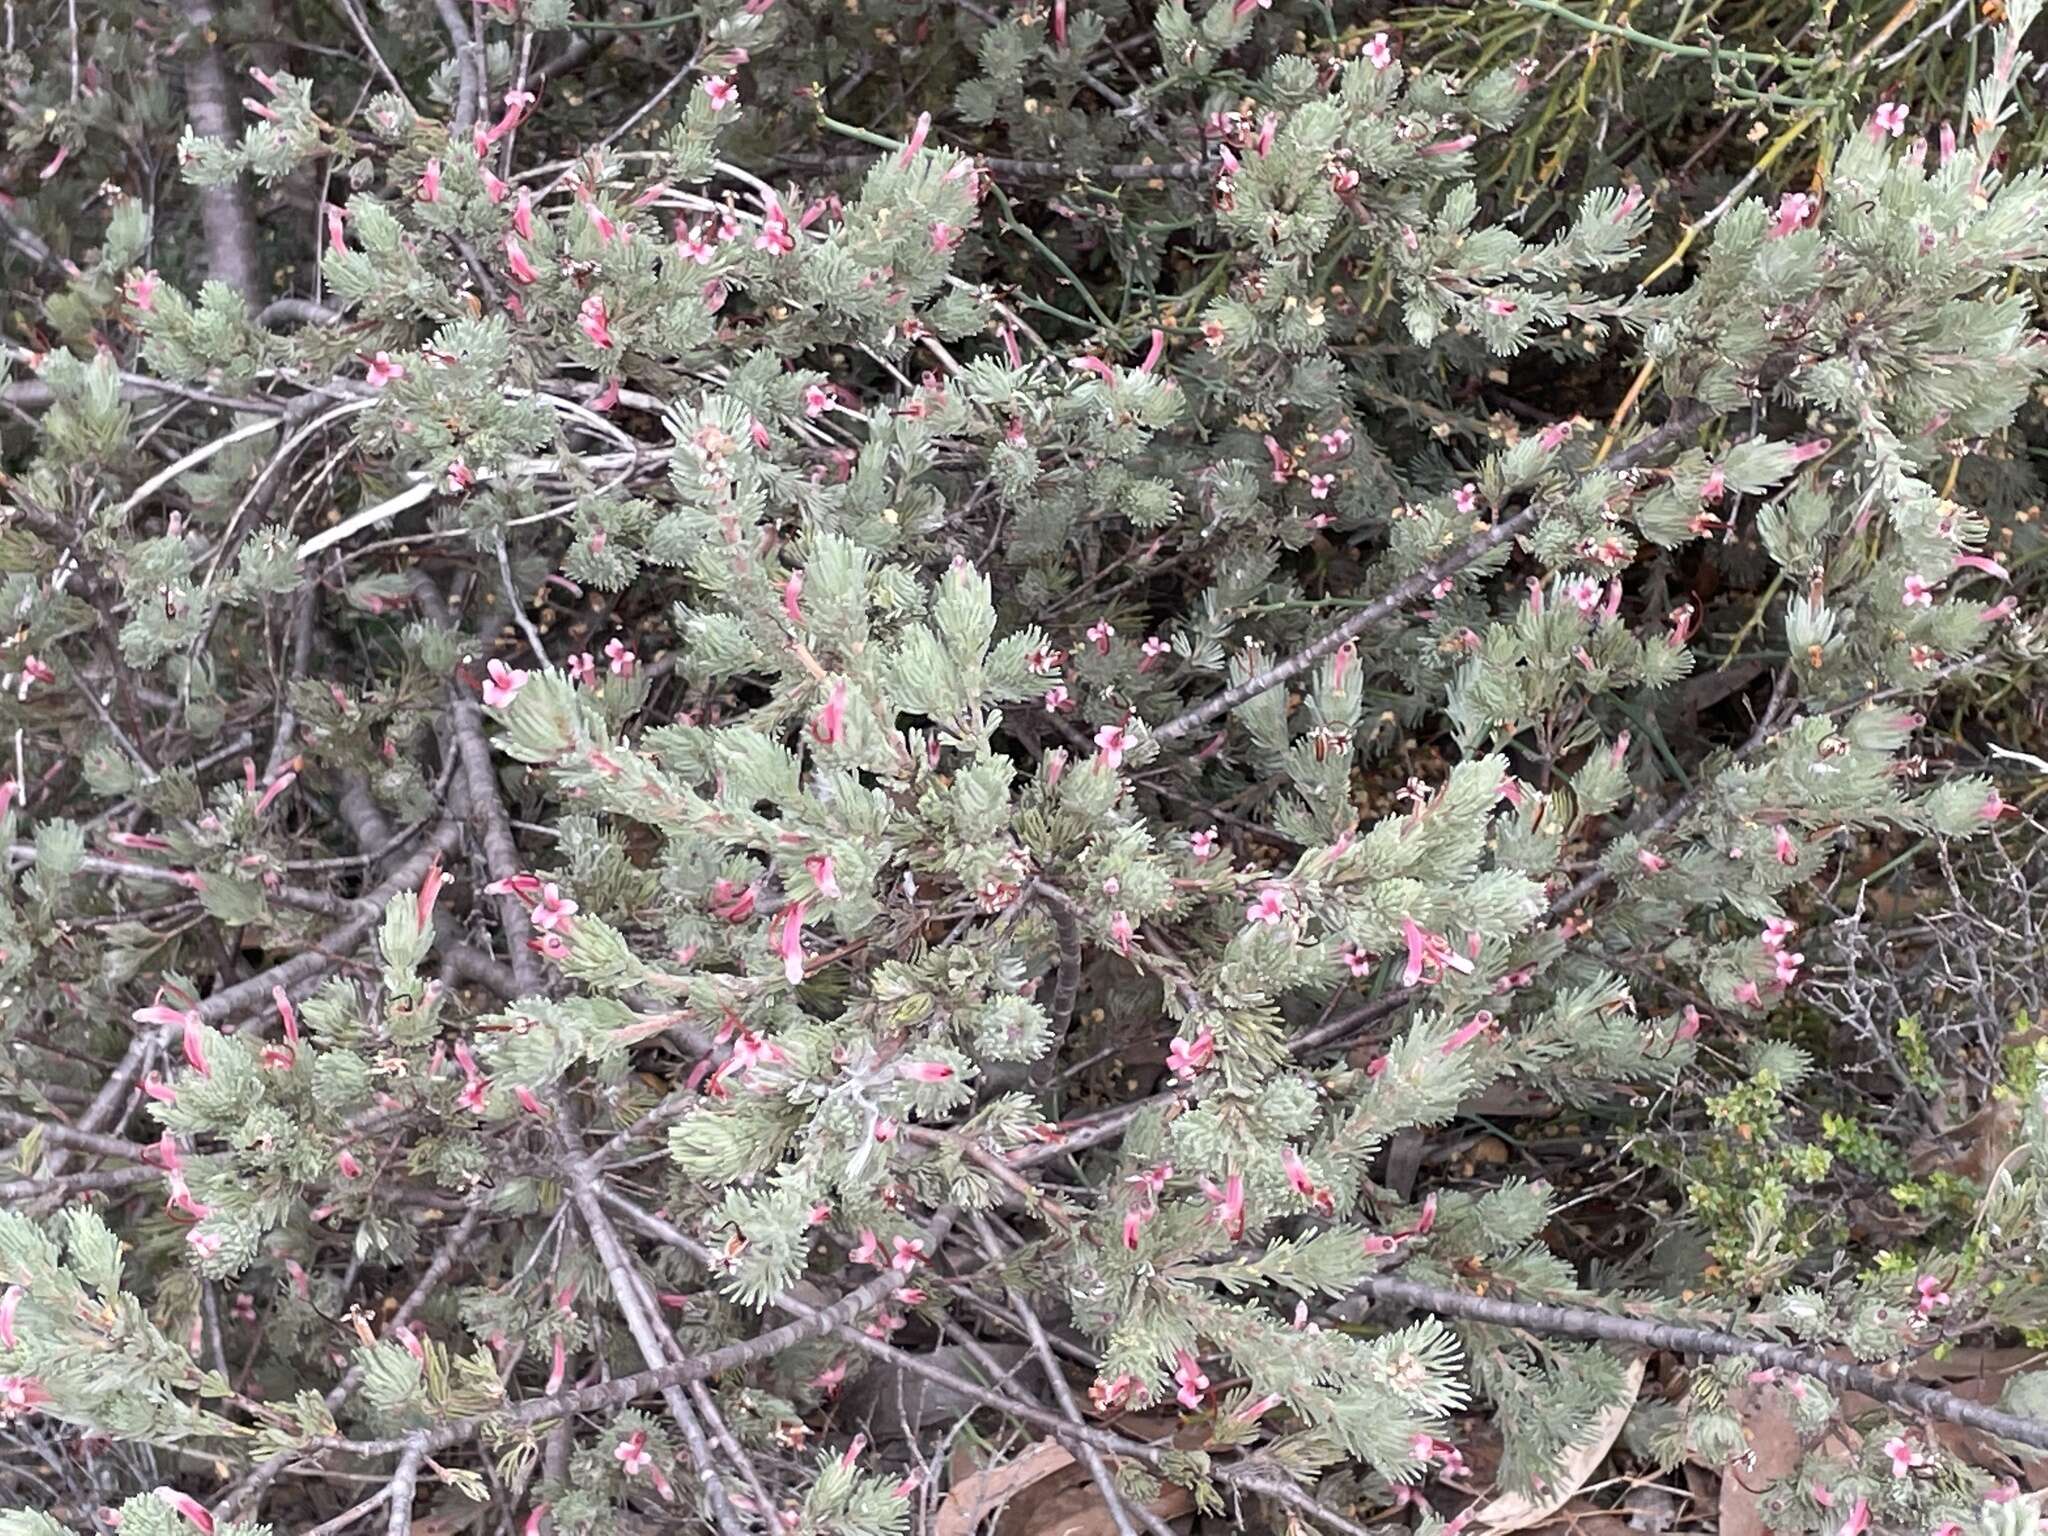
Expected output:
(1079, 1510)
(972, 1501)
(1977, 1376)
(1517, 1511)
(1775, 1449)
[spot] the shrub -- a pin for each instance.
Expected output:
(614, 709)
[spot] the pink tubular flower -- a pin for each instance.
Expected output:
(734, 903)
(553, 910)
(828, 726)
(273, 789)
(20, 1395)
(915, 142)
(619, 658)
(1112, 743)
(187, 1506)
(1186, 1058)
(522, 271)
(382, 371)
(1794, 209)
(721, 93)
(1202, 844)
(1226, 1205)
(1269, 909)
(346, 1164)
(775, 237)
(430, 183)
(823, 875)
(184, 1020)
(1783, 847)
(530, 1102)
(1188, 1377)
(1888, 121)
(1985, 564)
(1465, 1033)
(925, 1071)
(582, 669)
(632, 1453)
(789, 942)
(141, 290)
(1379, 51)
(1121, 931)
(1428, 955)
(594, 321)
(1905, 1456)
(792, 598)
(1858, 1521)
(1100, 633)
(692, 245)
(1257, 1408)
(10, 1303)
(516, 103)
(1928, 1289)
(423, 910)
(1298, 1176)
(502, 684)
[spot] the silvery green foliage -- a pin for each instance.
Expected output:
(815, 885)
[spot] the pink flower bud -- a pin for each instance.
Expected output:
(829, 724)
(187, 1506)
(789, 942)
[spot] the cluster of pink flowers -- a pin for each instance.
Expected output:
(1427, 1449)
(620, 660)
(550, 912)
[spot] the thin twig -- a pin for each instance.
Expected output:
(1647, 1333)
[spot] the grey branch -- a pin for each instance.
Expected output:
(1647, 1333)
